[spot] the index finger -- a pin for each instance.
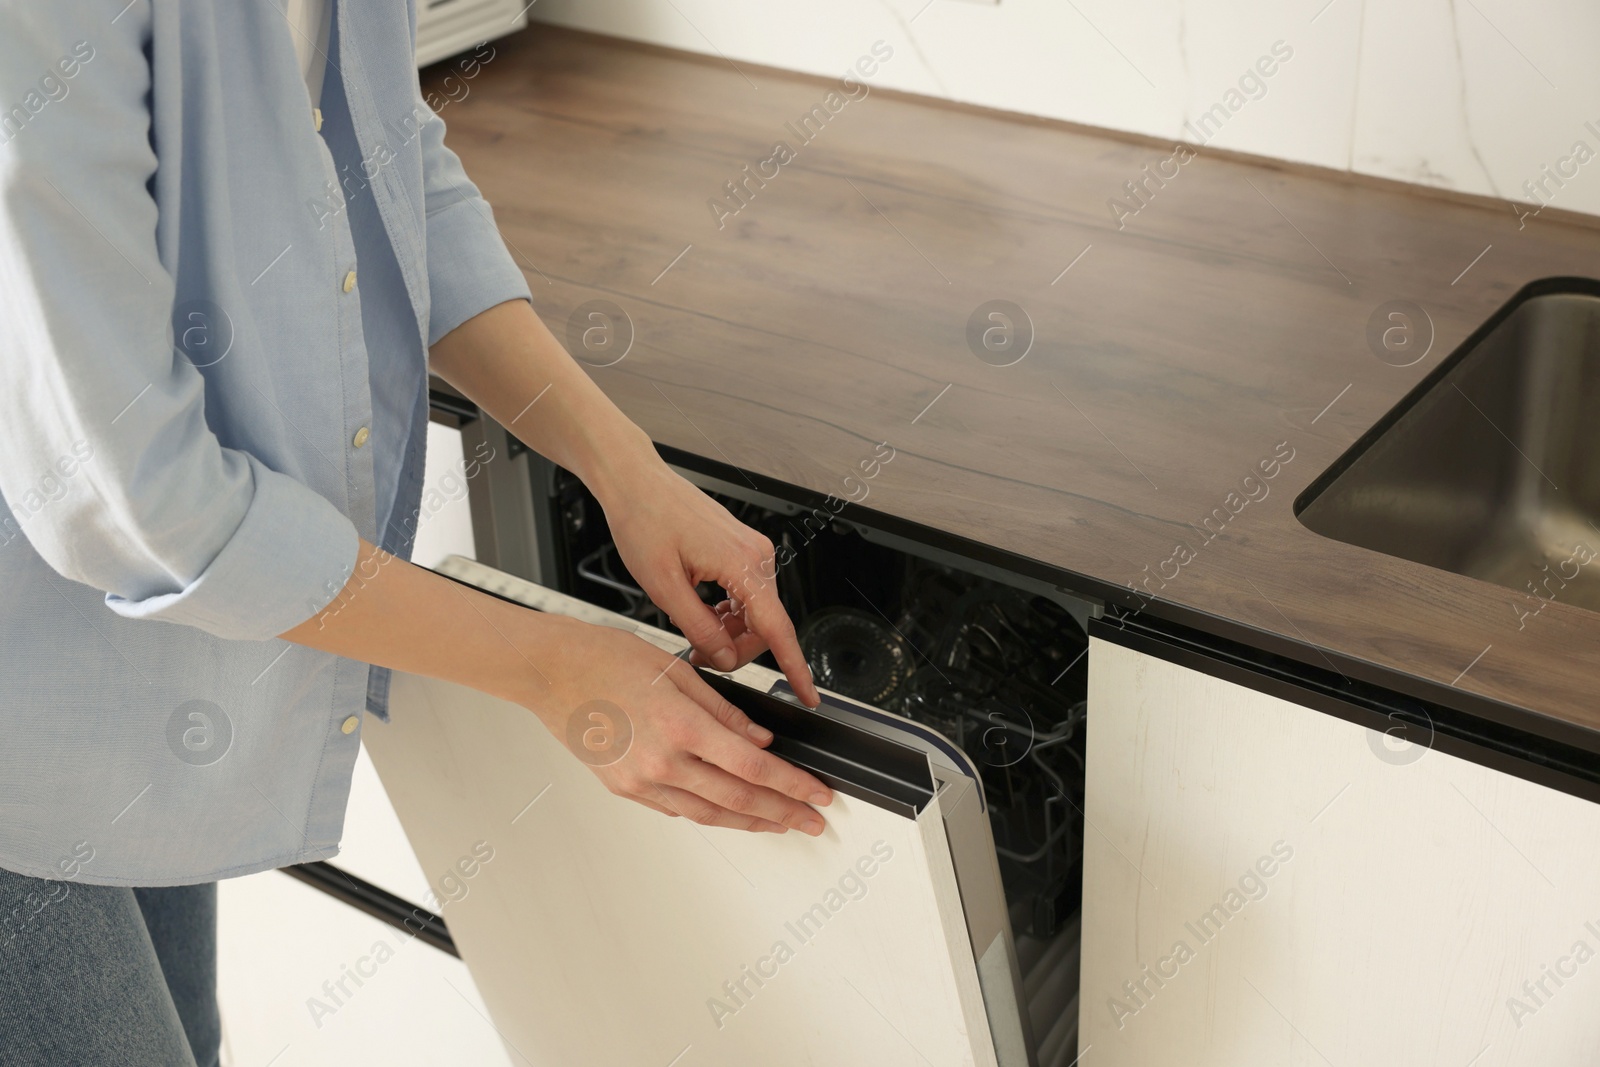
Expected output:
(764, 615)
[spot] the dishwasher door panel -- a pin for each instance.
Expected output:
(600, 932)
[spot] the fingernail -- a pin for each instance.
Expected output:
(812, 826)
(725, 659)
(760, 734)
(821, 799)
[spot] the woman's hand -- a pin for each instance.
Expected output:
(671, 537)
(643, 720)
(653, 731)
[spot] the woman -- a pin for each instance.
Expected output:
(232, 245)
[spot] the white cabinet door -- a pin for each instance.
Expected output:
(1267, 885)
(599, 932)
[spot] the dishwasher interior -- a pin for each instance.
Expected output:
(999, 669)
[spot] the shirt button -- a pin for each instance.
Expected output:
(349, 281)
(361, 437)
(316, 119)
(350, 724)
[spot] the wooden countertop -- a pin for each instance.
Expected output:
(1222, 323)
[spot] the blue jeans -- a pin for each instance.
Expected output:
(106, 976)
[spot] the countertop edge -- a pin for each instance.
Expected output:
(1130, 605)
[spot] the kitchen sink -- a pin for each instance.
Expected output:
(1490, 467)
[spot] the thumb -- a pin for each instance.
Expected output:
(699, 624)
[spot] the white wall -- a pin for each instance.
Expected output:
(1471, 95)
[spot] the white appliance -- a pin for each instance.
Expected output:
(601, 933)
(446, 27)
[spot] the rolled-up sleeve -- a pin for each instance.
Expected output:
(469, 267)
(106, 458)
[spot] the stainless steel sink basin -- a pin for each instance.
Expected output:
(1491, 466)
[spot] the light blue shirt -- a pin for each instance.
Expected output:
(214, 320)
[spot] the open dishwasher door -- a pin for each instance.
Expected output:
(602, 933)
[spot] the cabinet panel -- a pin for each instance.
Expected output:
(602, 933)
(1266, 884)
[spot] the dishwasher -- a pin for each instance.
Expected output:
(938, 918)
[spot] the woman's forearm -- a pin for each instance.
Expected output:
(687, 750)
(671, 536)
(394, 614)
(508, 363)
